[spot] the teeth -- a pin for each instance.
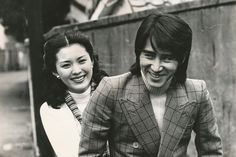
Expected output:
(78, 79)
(155, 76)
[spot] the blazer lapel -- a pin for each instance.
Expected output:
(140, 116)
(176, 118)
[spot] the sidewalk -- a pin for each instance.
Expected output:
(15, 128)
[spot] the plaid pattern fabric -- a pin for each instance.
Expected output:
(120, 111)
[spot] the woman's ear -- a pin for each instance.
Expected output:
(56, 75)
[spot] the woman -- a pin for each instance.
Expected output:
(72, 73)
(152, 110)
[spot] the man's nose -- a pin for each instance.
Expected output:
(156, 64)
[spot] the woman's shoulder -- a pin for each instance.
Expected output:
(45, 107)
(47, 110)
(50, 115)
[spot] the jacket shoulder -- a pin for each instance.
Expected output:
(196, 89)
(118, 81)
(195, 85)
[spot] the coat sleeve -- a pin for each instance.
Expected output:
(208, 142)
(97, 121)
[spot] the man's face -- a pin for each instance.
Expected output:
(158, 67)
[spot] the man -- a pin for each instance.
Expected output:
(152, 110)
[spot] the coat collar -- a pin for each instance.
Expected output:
(137, 107)
(174, 123)
(139, 113)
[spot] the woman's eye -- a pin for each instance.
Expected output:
(65, 65)
(82, 61)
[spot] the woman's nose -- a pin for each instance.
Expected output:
(76, 69)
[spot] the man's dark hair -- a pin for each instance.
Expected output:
(168, 33)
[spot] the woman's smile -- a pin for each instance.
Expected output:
(78, 79)
(75, 67)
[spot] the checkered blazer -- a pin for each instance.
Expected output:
(121, 112)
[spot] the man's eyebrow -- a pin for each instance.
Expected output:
(162, 53)
(148, 51)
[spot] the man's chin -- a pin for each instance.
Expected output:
(155, 85)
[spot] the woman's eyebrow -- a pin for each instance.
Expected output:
(81, 57)
(63, 62)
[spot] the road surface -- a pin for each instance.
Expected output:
(15, 129)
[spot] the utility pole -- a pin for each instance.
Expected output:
(42, 146)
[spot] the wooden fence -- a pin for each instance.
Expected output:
(213, 56)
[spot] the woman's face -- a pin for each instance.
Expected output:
(158, 67)
(74, 67)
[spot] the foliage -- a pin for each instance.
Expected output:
(12, 14)
(54, 13)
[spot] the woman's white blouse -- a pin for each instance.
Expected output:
(62, 128)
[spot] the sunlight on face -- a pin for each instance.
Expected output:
(159, 67)
(75, 67)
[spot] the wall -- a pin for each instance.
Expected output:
(213, 55)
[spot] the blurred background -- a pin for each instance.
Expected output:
(111, 26)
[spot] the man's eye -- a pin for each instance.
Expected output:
(168, 58)
(149, 55)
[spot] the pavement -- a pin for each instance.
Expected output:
(16, 138)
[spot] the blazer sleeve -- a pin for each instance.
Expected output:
(96, 121)
(208, 142)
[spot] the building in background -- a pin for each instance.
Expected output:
(81, 10)
(85, 10)
(13, 54)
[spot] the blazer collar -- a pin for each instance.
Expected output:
(139, 113)
(138, 92)
(175, 109)
(137, 108)
(178, 109)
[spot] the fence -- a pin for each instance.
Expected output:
(213, 56)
